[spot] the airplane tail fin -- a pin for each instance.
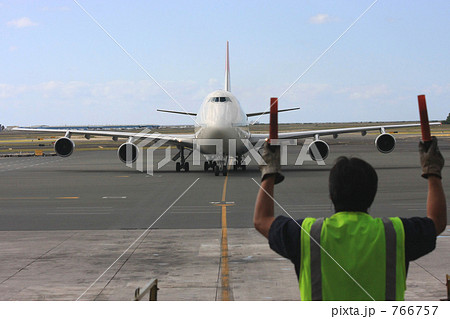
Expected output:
(227, 71)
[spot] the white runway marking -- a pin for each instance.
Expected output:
(78, 213)
(21, 165)
(114, 197)
(93, 210)
(197, 212)
(84, 208)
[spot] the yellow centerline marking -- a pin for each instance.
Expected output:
(225, 271)
(224, 191)
(23, 198)
(37, 198)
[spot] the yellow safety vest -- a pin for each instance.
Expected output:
(359, 258)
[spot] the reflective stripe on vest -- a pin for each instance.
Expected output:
(391, 258)
(394, 263)
(316, 271)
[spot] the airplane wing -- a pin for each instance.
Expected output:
(185, 140)
(335, 132)
(319, 150)
(268, 112)
(177, 112)
(248, 114)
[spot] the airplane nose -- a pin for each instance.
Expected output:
(216, 132)
(223, 117)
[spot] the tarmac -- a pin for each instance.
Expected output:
(87, 227)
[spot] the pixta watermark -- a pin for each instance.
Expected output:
(141, 155)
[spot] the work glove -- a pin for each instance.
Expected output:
(271, 155)
(431, 159)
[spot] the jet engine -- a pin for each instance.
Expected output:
(128, 153)
(385, 143)
(318, 150)
(64, 146)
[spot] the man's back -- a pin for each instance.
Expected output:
(366, 256)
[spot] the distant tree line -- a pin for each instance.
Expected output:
(447, 121)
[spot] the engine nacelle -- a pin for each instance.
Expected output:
(385, 143)
(128, 153)
(318, 150)
(64, 147)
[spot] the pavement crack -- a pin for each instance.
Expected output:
(36, 259)
(430, 273)
(121, 266)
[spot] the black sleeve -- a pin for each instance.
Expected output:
(284, 239)
(420, 237)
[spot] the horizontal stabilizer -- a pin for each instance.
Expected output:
(268, 112)
(178, 112)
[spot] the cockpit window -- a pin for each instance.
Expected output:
(220, 99)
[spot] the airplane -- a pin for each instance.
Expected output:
(219, 117)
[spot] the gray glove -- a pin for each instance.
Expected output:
(431, 159)
(271, 155)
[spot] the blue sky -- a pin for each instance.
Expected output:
(57, 67)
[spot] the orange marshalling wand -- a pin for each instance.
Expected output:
(424, 124)
(273, 119)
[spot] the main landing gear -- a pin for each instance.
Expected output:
(179, 166)
(182, 164)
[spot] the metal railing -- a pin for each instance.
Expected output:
(151, 288)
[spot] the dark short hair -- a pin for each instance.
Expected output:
(353, 184)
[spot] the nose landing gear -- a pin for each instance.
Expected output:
(240, 163)
(209, 164)
(220, 166)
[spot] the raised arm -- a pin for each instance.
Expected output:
(432, 163)
(436, 204)
(263, 215)
(264, 207)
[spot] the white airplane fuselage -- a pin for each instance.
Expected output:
(221, 118)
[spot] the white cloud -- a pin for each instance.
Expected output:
(308, 90)
(11, 91)
(21, 23)
(212, 82)
(75, 102)
(438, 89)
(321, 18)
(13, 48)
(365, 92)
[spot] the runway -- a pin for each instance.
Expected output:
(63, 221)
(94, 190)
